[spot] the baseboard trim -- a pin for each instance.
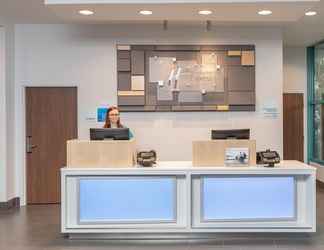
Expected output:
(13, 203)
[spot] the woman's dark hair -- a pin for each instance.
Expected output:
(108, 123)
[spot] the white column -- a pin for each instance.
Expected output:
(3, 120)
(10, 105)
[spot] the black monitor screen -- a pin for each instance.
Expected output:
(109, 134)
(230, 134)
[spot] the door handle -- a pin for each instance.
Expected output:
(29, 145)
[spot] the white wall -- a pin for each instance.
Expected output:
(10, 109)
(295, 79)
(85, 56)
(295, 70)
(7, 167)
(3, 151)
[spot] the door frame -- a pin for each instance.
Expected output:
(20, 138)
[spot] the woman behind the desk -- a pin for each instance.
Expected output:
(113, 120)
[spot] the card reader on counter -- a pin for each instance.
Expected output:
(268, 157)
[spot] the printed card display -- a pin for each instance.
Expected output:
(236, 156)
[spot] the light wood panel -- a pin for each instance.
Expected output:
(123, 47)
(212, 153)
(112, 154)
(131, 93)
(222, 107)
(234, 53)
(248, 58)
(138, 83)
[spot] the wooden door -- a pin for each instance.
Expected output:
(51, 120)
(293, 126)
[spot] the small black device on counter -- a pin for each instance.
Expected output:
(268, 157)
(146, 158)
(230, 134)
(99, 134)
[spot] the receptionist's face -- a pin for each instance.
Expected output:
(114, 116)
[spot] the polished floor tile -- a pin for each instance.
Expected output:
(38, 228)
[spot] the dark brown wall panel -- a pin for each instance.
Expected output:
(186, 55)
(137, 108)
(123, 65)
(143, 47)
(187, 108)
(241, 98)
(213, 98)
(242, 107)
(178, 47)
(226, 47)
(124, 81)
(241, 78)
(233, 60)
(123, 54)
(293, 126)
(131, 100)
(138, 64)
(151, 94)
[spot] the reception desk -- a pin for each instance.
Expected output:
(179, 199)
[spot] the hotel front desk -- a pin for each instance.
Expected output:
(177, 198)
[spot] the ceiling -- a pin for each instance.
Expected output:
(299, 30)
(239, 12)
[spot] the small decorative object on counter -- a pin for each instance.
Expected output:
(146, 158)
(268, 157)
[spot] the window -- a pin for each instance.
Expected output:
(315, 62)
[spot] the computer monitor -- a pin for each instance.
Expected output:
(230, 134)
(109, 134)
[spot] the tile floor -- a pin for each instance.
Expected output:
(38, 228)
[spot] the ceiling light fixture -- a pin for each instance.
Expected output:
(146, 12)
(311, 13)
(265, 12)
(86, 12)
(205, 12)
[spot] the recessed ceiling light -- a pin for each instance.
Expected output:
(311, 13)
(205, 12)
(146, 12)
(265, 12)
(86, 12)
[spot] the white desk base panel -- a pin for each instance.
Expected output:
(177, 200)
